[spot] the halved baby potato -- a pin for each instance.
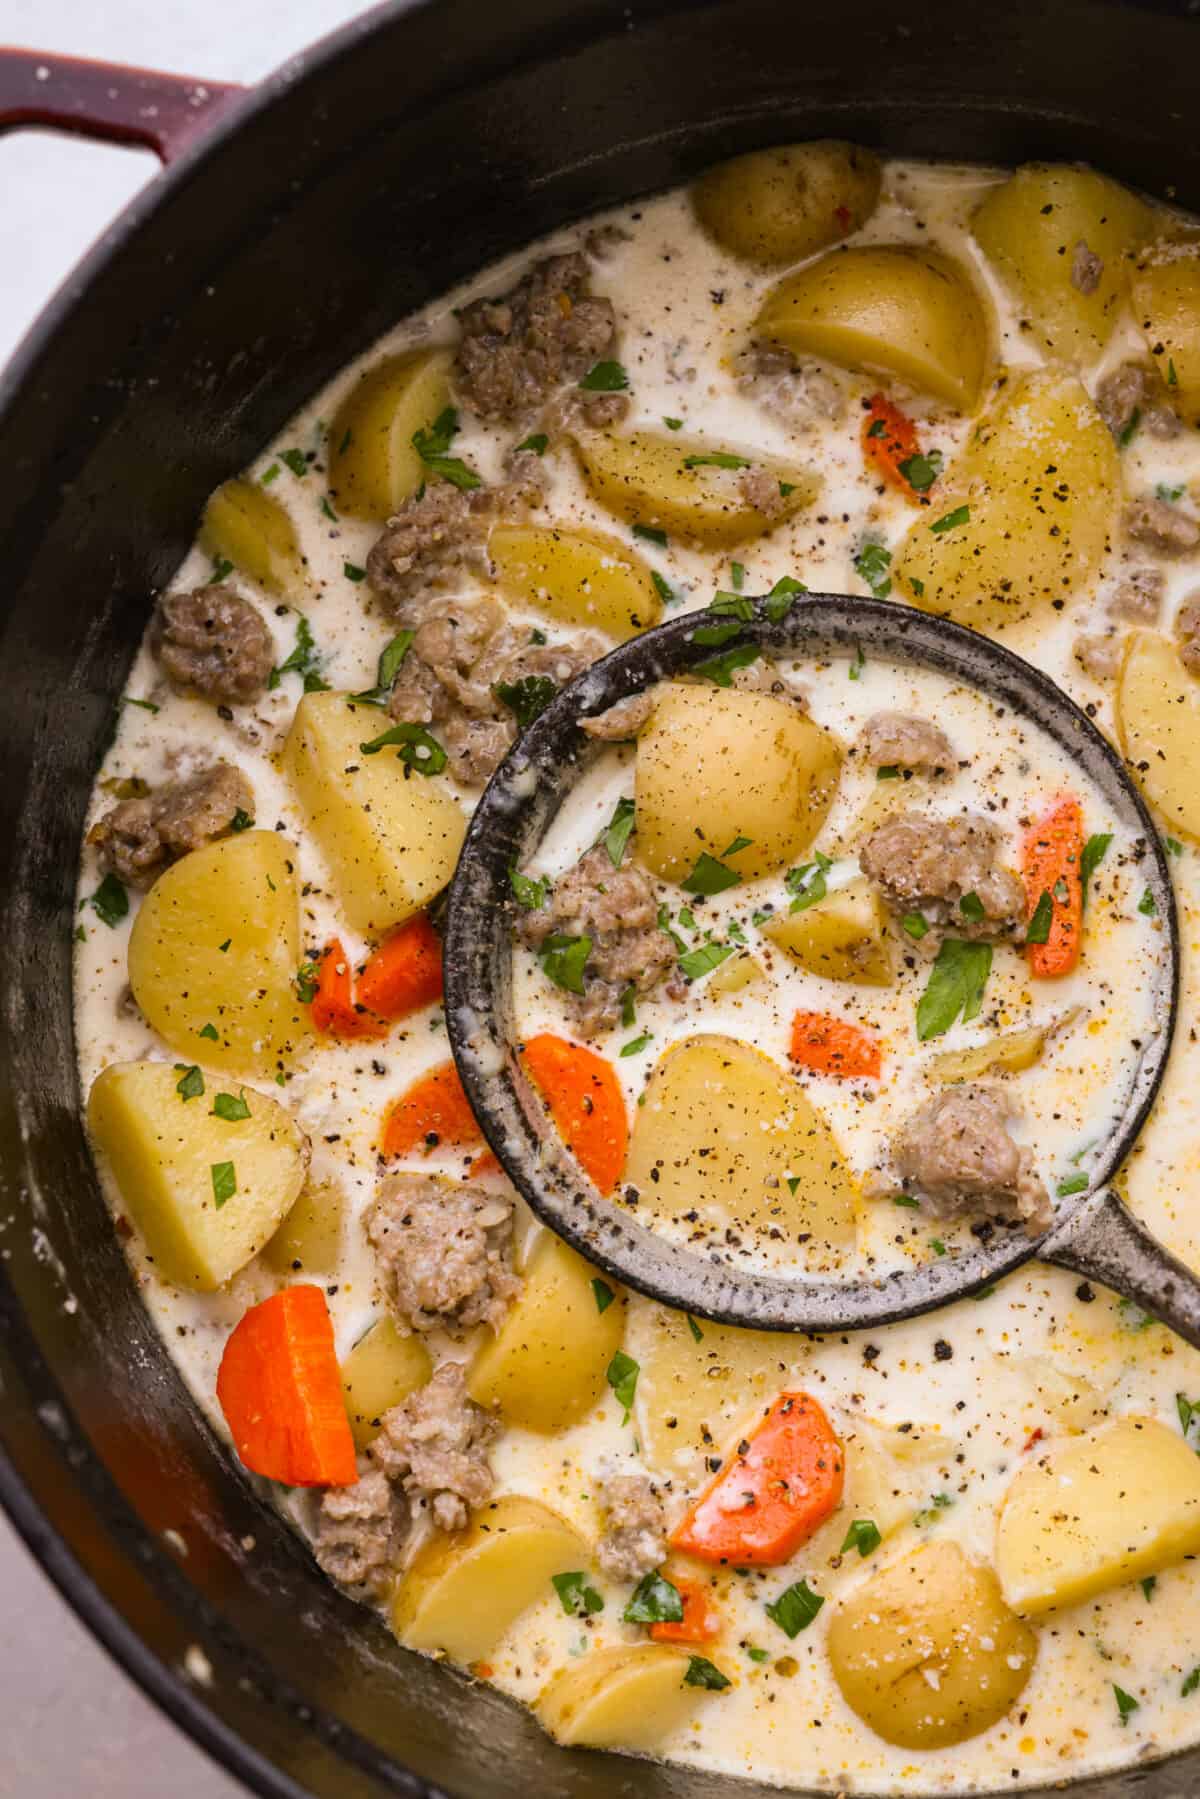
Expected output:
(843, 936)
(1096, 1512)
(580, 577)
(772, 207)
(1025, 515)
(545, 1367)
(887, 309)
(206, 1191)
(310, 1238)
(1011, 1052)
(381, 1371)
(724, 1132)
(1166, 305)
(629, 1697)
(1158, 723)
(373, 467)
(214, 951)
(715, 765)
(245, 524)
(1038, 227)
(391, 836)
(462, 1592)
(926, 1651)
(736, 973)
(693, 489)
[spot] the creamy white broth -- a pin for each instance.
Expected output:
(1017, 1358)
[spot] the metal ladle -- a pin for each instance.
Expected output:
(1093, 1233)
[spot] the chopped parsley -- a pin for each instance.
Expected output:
(696, 963)
(110, 902)
(1172, 377)
(663, 588)
(388, 668)
(605, 378)
(889, 772)
(190, 1084)
(1071, 1183)
(1190, 1684)
(1038, 928)
(971, 906)
(710, 876)
(303, 661)
(577, 1599)
(619, 830)
(673, 424)
(697, 1333)
(871, 564)
(353, 572)
(603, 1294)
(527, 698)
(307, 981)
(622, 1376)
(224, 1183)
(221, 569)
(664, 924)
(417, 749)
(737, 575)
(1168, 494)
(949, 521)
(955, 987)
(638, 1044)
(921, 471)
(716, 459)
(1094, 852)
(528, 891)
(863, 1535)
(296, 460)
(721, 669)
(328, 512)
(564, 959)
(538, 443)
(703, 1673)
(431, 446)
(778, 603)
(758, 1655)
(1131, 429)
(795, 1608)
(269, 475)
(1148, 1585)
(241, 820)
(739, 843)
(1126, 1703)
(915, 924)
(655, 1600)
(652, 534)
(1189, 1411)
(807, 883)
(210, 1031)
(1146, 905)
(144, 705)
(859, 663)
(1173, 846)
(917, 586)
(231, 1107)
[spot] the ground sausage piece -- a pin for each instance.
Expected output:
(622, 721)
(1099, 654)
(957, 1153)
(444, 1251)
(1137, 596)
(462, 652)
(760, 489)
(900, 740)
(213, 642)
(441, 533)
(516, 349)
(361, 1532)
(434, 1447)
(926, 864)
(616, 909)
(1163, 526)
(1187, 632)
(1086, 269)
(1134, 396)
(635, 1526)
(797, 393)
(138, 838)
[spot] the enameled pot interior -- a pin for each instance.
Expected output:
(357, 185)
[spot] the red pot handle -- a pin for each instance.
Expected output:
(108, 101)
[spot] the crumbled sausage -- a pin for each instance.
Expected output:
(444, 1251)
(1133, 397)
(1162, 526)
(1099, 654)
(361, 1532)
(615, 909)
(214, 643)
(440, 534)
(139, 837)
(635, 1526)
(1187, 632)
(460, 655)
(1086, 269)
(434, 1446)
(926, 864)
(957, 1153)
(517, 348)
(901, 740)
(624, 720)
(761, 489)
(797, 393)
(1137, 596)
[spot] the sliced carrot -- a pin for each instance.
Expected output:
(829, 1045)
(779, 1487)
(586, 1104)
(431, 1114)
(405, 973)
(889, 440)
(701, 1622)
(280, 1389)
(334, 1012)
(1051, 860)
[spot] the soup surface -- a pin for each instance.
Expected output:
(824, 967)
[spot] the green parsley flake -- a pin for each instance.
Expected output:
(863, 1535)
(696, 963)
(538, 443)
(527, 891)
(224, 1183)
(1146, 905)
(619, 830)
(605, 378)
(638, 1044)
(703, 1673)
(210, 1031)
(1071, 1183)
(296, 460)
(697, 1333)
(231, 1107)
(578, 1600)
(1094, 852)
(921, 471)
(1038, 928)
(716, 459)
(971, 906)
(915, 924)
(431, 446)
(710, 876)
(1126, 1703)
(652, 534)
(871, 565)
(795, 1608)
(951, 520)
(415, 746)
(353, 572)
(603, 1294)
(655, 1600)
(622, 1376)
(527, 698)
(221, 569)
(564, 959)
(721, 669)
(110, 902)
(955, 987)
(190, 1084)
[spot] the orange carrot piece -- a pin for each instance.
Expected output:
(586, 1104)
(405, 973)
(829, 1045)
(1051, 860)
(889, 439)
(769, 1498)
(281, 1392)
(431, 1114)
(334, 1012)
(701, 1622)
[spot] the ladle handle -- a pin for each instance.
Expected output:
(1104, 1242)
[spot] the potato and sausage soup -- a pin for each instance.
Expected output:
(825, 967)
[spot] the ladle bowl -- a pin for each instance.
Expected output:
(1093, 1233)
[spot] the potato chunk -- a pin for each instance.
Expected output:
(580, 577)
(630, 1697)
(213, 955)
(205, 1191)
(463, 1591)
(887, 309)
(545, 1367)
(245, 524)
(391, 837)
(1096, 1512)
(310, 1238)
(692, 489)
(714, 765)
(926, 1651)
(373, 467)
(724, 1132)
(1025, 515)
(843, 937)
(1166, 304)
(1011, 1052)
(1040, 227)
(381, 1371)
(1158, 722)
(772, 207)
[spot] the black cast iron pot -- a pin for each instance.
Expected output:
(359, 182)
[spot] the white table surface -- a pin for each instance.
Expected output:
(70, 1721)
